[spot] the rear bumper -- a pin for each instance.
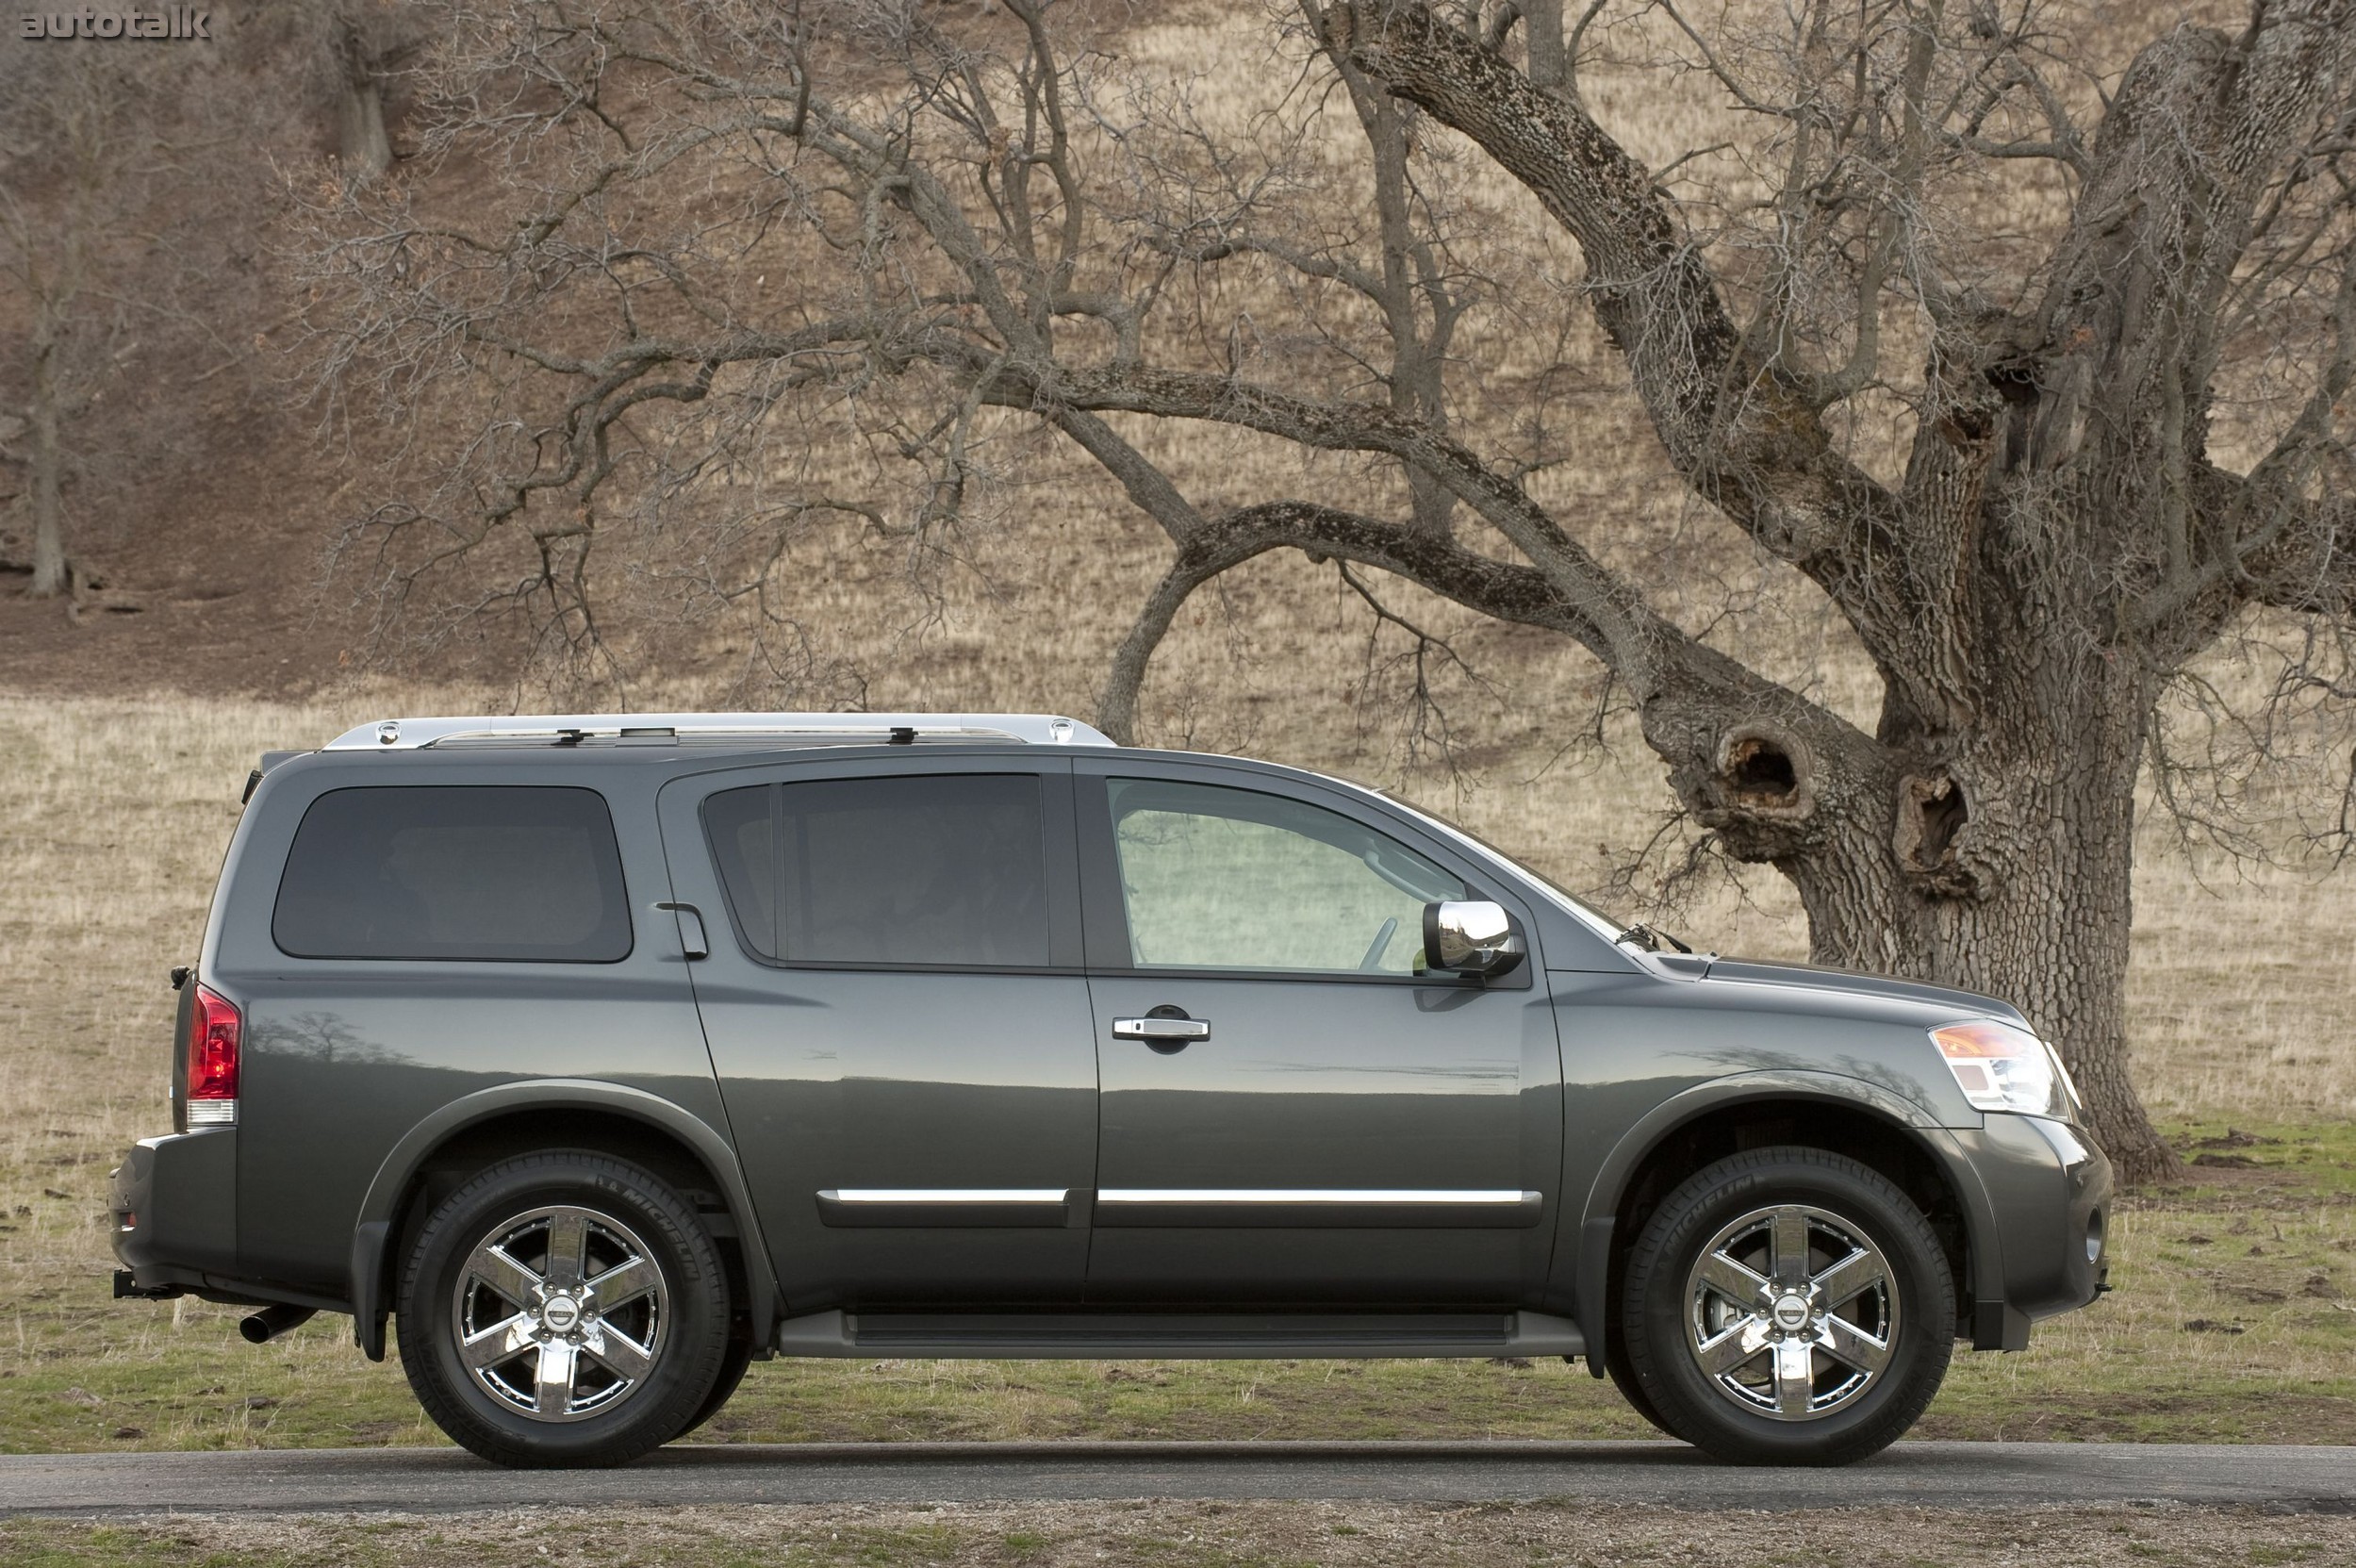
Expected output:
(174, 1208)
(2042, 1249)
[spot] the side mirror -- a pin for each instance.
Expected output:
(1474, 937)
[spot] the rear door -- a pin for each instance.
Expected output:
(898, 1019)
(1345, 1130)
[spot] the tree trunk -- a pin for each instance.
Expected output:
(49, 567)
(365, 148)
(1550, 62)
(2001, 864)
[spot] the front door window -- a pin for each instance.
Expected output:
(1230, 878)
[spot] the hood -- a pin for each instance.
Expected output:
(1814, 977)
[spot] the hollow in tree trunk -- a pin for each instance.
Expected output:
(1999, 860)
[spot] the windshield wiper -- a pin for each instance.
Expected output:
(1650, 940)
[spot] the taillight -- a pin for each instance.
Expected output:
(215, 1032)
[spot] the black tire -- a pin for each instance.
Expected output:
(1819, 1408)
(732, 1367)
(671, 1330)
(1623, 1378)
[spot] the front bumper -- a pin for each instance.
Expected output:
(2042, 1246)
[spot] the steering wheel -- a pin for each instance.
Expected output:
(1372, 962)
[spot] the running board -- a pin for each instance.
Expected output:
(1125, 1336)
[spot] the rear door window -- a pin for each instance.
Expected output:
(940, 872)
(455, 871)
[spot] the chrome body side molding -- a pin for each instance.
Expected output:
(856, 1207)
(1319, 1208)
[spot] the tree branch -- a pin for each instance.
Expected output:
(1744, 433)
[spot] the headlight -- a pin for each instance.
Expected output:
(2001, 1066)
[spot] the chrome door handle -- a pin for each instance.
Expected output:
(693, 944)
(1160, 1030)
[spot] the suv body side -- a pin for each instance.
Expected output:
(356, 1071)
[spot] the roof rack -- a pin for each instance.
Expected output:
(1033, 729)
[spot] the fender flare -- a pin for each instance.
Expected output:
(1591, 1284)
(372, 1235)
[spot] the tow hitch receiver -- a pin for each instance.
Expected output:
(127, 1288)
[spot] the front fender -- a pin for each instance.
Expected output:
(372, 1236)
(1591, 1284)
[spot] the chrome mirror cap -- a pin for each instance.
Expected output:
(1472, 937)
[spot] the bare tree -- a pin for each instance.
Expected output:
(1984, 441)
(76, 150)
(135, 185)
(365, 43)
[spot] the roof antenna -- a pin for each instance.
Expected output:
(903, 735)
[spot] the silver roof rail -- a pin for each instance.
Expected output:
(410, 734)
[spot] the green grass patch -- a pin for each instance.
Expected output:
(2233, 1319)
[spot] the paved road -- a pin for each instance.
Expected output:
(1960, 1474)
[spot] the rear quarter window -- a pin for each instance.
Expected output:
(500, 873)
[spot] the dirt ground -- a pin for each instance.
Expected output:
(1203, 1535)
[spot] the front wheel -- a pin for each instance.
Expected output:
(1789, 1306)
(564, 1309)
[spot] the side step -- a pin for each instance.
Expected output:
(1124, 1336)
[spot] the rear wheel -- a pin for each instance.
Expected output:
(1787, 1306)
(564, 1309)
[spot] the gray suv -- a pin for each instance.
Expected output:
(610, 1053)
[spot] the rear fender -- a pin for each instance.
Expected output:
(372, 1233)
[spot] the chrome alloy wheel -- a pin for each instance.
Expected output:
(560, 1314)
(1792, 1312)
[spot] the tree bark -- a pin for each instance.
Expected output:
(49, 563)
(1983, 837)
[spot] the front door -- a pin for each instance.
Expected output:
(898, 1021)
(1294, 1113)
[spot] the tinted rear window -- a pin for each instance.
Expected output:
(922, 871)
(458, 871)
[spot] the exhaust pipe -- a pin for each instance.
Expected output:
(271, 1322)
